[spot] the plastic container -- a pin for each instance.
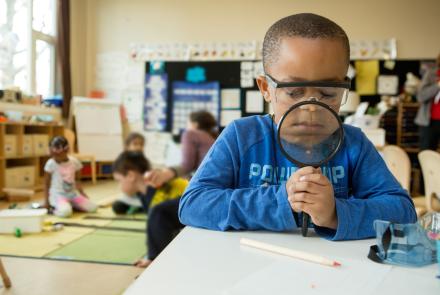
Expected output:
(431, 223)
(26, 220)
(56, 101)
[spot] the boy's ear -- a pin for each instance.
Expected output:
(264, 87)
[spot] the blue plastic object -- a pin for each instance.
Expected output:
(56, 100)
(403, 244)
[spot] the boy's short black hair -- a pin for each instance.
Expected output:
(132, 136)
(306, 25)
(131, 161)
(58, 142)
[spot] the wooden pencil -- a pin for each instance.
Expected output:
(4, 275)
(289, 252)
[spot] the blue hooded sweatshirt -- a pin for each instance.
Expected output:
(241, 185)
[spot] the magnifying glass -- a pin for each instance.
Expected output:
(310, 133)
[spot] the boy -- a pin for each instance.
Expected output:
(161, 203)
(245, 183)
(129, 204)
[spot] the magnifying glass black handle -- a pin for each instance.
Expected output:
(305, 224)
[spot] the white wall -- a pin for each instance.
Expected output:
(110, 25)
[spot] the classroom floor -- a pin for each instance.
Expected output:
(76, 247)
(39, 276)
(115, 241)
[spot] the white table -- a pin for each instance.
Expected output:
(208, 262)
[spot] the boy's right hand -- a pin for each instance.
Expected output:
(309, 191)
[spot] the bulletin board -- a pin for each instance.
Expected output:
(228, 74)
(189, 97)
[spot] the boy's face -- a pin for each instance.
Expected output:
(136, 145)
(129, 182)
(304, 59)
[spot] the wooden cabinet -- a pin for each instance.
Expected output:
(25, 150)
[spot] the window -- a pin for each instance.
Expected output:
(27, 45)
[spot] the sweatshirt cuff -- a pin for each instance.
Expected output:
(341, 233)
(286, 210)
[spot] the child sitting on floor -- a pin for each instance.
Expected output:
(128, 204)
(62, 190)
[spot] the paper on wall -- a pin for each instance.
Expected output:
(254, 102)
(387, 85)
(230, 98)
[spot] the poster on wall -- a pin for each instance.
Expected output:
(155, 102)
(387, 85)
(190, 97)
(373, 49)
(195, 51)
(366, 76)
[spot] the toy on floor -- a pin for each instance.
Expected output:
(4, 275)
(17, 232)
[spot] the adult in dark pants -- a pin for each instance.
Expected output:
(428, 115)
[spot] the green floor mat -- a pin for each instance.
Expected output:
(106, 245)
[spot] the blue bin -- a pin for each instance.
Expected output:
(56, 101)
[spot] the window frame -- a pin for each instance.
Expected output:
(33, 37)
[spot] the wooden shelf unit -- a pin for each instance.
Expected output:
(406, 128)
(19, 130)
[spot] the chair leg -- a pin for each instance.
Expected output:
(93, 163)
(4, 275)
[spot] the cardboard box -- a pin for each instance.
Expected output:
(28, 145)
(10, 147)
(41, 144)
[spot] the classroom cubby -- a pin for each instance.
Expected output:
(23, 153)
(105, 169)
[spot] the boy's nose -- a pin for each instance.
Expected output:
(308, 107)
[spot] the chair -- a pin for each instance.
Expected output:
(70, 136)
(398, 162)
(430, 163)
